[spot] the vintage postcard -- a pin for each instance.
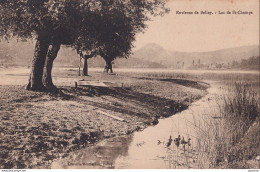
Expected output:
(129, 84)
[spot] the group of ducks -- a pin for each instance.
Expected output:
(178, 141)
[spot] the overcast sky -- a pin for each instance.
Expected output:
(203, 32)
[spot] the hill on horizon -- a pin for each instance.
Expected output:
(155, 53)
(150, 56)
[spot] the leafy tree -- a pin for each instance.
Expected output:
(115, 36)
(73, 22)
(251, 63)
(53, 23)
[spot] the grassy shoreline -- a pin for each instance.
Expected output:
(37, 128)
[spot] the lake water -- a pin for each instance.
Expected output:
(20, 75)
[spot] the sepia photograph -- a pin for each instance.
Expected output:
(129, 84)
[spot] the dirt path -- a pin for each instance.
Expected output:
(36, 128)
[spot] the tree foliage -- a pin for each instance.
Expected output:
(116, 26)
(67, 18)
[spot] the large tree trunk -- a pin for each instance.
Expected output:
(35, 80)
(51, 55)
(85, 64)
(108, 66)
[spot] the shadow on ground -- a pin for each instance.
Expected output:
(156, 106)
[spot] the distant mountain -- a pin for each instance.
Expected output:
(150, 56)
(172, 59)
